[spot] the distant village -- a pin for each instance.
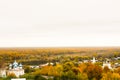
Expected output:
(17, 68)
(105, 63)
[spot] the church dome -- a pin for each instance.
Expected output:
(15, 63)
(20, 65)
(10, 65)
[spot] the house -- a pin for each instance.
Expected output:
(118, 58)
(42, 65)
(116, 65)
(85, 61)
(34, 67)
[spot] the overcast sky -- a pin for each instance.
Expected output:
(59, 23)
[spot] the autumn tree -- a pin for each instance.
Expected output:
(94, 71)
(118, 70)
(111, 76)
(106, 69)
(39, 77)
(11, 75)
(82, 76)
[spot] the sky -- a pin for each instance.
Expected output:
(59, 23)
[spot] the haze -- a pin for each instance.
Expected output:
(59, 23)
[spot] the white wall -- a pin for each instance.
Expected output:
(19, 79)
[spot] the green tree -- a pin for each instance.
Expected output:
(67, 66)
(82, 76)
(39, 77)
(28, 69)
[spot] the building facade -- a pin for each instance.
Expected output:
(2, 73)
(107, 64)
(16, 69)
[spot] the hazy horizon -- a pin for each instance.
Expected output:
(59, 23)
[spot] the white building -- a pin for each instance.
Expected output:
(16, 69)
(2, 73)
(94, 60)
(19, 79)
(85, 61)
(42, 65)
(107, 64)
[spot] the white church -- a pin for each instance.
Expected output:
(107, 64)
(16, 69)
(94, 60)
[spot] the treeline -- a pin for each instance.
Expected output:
(43, 55)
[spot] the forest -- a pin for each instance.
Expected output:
(36, 56)
(67, 63)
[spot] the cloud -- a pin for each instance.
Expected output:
(59, 23)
